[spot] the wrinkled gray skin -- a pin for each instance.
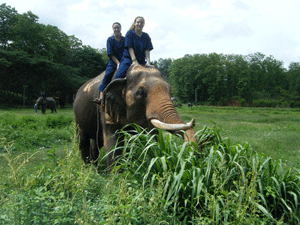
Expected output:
(49, 104)
(144, 95)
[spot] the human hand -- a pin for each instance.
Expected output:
(135, 62)
(148, 64)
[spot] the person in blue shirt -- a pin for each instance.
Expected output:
(115, 48)
(137, 47)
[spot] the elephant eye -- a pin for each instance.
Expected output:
(140, 93)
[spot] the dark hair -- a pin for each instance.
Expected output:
(116, 23)
(133, 26)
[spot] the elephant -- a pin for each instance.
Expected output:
(142, 98)
(49, 103)
(190, 104)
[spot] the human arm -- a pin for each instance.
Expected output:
(132, 55)
(111, 52)
(148, 48)
(114, 58)
(147, 54)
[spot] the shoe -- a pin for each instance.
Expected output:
(98, 100)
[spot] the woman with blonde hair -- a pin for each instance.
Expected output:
(137, 47)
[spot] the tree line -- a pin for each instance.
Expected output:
(35, 57)
(218, 79)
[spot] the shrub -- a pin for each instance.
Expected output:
(243, 102)
(58, 121)
(31, 132)
(295, 104)
(223, 184)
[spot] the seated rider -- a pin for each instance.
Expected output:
(115, 48)
(43, 96)
(137, 47)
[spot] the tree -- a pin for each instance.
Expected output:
(163, 65)
(293, 77)
(30, 39)
(8, 17)
(88, 61)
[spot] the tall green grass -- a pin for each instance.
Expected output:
(273, 131)
(158, 180)
(226, 183)
(31, 132)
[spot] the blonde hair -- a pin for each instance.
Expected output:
(133, 26)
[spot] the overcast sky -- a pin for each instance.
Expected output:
(179, 27)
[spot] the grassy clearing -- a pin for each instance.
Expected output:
(163, 182)
(273, 131)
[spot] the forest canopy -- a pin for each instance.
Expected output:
(35, 57)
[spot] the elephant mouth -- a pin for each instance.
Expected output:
(172, 127)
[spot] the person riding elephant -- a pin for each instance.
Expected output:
(115, 48)
(46, 103)
(143, 98)
(137, 47)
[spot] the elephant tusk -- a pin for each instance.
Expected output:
(172, 127)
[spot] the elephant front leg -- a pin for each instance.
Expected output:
(110, 141)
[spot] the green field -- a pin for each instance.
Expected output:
(273, 131)
(44, 181)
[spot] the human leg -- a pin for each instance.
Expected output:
(110, 69)
(124, 65)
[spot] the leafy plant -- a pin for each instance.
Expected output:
(224, 183)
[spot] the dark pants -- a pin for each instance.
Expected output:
(110, 70)
(124, 65)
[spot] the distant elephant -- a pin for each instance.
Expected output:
(49, 103)
(143, 98)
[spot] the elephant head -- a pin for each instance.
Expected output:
(41, 103)
(144, 98)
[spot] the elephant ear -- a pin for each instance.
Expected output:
(113, 102)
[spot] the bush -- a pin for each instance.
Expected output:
(58, 121)
(243, 102)
(295, 104)
(223, 184)
(33, 131)
(163, 180)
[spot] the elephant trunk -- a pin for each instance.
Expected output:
(163, 115)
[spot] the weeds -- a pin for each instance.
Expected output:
(224, 184)
(159, 180)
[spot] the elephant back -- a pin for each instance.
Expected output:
(83, 105)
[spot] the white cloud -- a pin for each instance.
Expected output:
(179, 27)
(231, 30)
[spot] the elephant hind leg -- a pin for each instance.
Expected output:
(95, 150)
(84, 146)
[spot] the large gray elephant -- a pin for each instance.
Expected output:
(144, 98)
(49, 103)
